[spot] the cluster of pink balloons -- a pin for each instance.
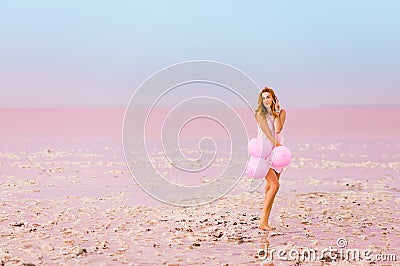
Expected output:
(259, 150)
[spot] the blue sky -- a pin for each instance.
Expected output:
(96, 53)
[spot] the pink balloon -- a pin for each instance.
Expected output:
(259, 147)
(257, 167)
(281, 156)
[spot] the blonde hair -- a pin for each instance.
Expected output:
(261, 109)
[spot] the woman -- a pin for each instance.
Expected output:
(270, 121)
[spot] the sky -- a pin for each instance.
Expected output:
(97, 53)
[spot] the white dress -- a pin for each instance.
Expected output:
(278, 137)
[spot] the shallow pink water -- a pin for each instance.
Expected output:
(35, 124)
(337, 135)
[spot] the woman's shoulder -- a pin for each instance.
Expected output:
(259, 115)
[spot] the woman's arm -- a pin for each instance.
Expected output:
(280, 121)
(264, 127)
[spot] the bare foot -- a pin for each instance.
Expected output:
(265, 227)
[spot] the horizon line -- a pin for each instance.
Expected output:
(171, 106)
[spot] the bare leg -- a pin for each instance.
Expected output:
(271, 189)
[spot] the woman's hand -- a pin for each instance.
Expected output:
(277, 143)
(277, 107)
